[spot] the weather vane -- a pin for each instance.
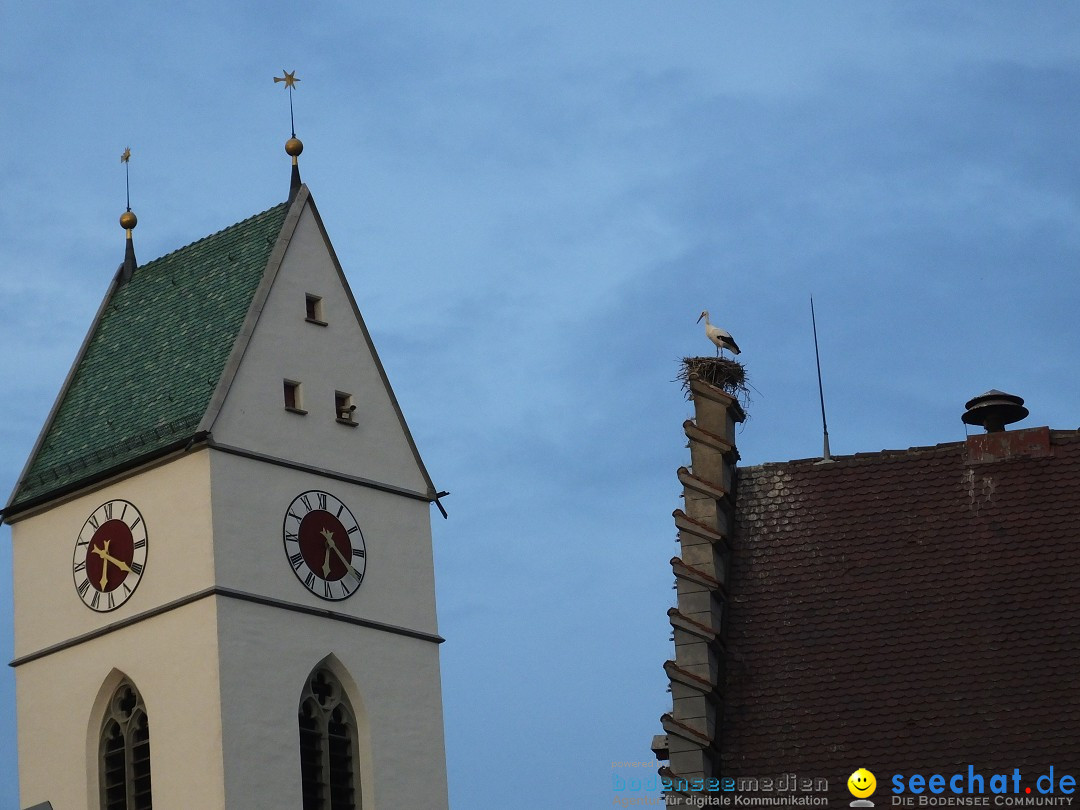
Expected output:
(125, 158)
(294, 146)
(128, 221)
(290, 82)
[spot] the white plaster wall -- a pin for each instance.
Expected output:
(399, 582)
(266, 657)
(174, 500)
(267, 652)
(324, 359)
(221, 678)
(172, 660)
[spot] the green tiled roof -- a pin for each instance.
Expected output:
(155, 357)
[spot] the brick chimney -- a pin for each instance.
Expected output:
(690, 743)
(993, 411)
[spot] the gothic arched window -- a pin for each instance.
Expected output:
(124, 756)
(328, 747)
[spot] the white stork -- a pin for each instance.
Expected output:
(721, 338)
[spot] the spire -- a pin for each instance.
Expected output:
(294, 146)
(128, 221)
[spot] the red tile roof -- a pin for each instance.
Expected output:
(907, 611)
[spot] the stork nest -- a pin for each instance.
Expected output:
(727, 375)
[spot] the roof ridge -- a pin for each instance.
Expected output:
(209, 236)
(1055, 434)
(860, 456)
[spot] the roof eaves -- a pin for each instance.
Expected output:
(185, 443)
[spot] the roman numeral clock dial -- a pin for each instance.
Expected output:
(324, 545)
(110, 556)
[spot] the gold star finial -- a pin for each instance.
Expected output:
(124, 158)
(289, 79)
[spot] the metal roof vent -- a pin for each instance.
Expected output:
(994, 410)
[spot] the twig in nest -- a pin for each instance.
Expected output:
(727, 375)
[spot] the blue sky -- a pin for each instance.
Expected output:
(533, 202)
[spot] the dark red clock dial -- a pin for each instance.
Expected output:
(109, 556)
(320, 534)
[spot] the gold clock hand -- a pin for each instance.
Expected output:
(330, 541)
(326, 564)
(123, 566)
(107, 558)
(103, 553)
(328, 536)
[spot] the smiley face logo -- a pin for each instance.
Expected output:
(861, 783)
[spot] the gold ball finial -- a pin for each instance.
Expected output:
(128, 220)
(294, 146)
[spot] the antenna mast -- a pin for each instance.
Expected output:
(825, 456)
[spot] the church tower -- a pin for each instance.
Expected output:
(223, 578)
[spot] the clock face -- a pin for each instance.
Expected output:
(110, 556)
(324, 545)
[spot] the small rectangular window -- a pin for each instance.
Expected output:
(293, 401)
(344, 407)
(314, 310)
